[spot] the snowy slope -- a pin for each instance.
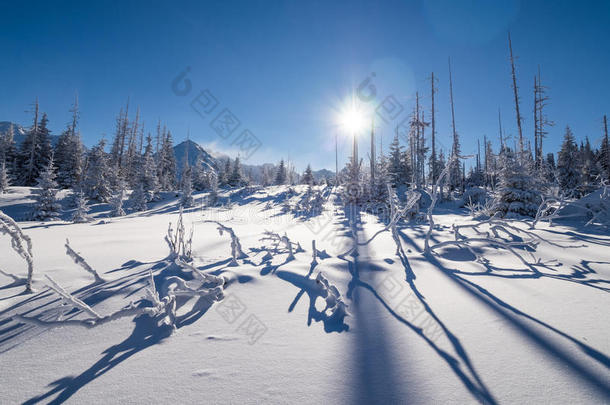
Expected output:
(421, 329)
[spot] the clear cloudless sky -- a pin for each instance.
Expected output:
(286, 68)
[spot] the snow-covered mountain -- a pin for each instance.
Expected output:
(20, 132)
(195, 152)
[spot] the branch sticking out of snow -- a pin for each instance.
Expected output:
(289, 247)
(70, 299)
(161, 306)
(203, 277)
(21, 243)
(179, 245)
(236, 250)
(335, 305)
(78, 259)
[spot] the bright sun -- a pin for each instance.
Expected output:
(352, 119)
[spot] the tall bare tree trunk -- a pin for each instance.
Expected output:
(452, 110)
(516, 93)
(372, 155)
(501, 134)
(433, 122)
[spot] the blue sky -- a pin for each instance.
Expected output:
(284, 69)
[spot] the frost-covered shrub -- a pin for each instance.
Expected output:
(474, 195)
(180, 245)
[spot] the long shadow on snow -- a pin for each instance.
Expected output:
(554, 351)
(146, 333)
(470, 379)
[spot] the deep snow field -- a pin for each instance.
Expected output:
(421, 328)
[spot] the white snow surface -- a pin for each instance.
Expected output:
(443, 329)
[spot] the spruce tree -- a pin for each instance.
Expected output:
(69, 153)
(138, 198)
(235, 179)
(148, 172)
(395, 164)
(46, 207)
(166, 166)
(35, 151)
(518, 193)
(81, 213)
(307, 177)
(280, 174)
(96, 183)
(116, 201)
(567, 164)
(213, 195)
(589, 168)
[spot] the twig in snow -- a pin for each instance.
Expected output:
(236, 250)
(78, 259)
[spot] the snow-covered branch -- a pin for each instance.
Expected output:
(180, 245)
(288, 246)
(69, 299)
(236, 250)
(21, 243)
(78, 259)
(335, 306)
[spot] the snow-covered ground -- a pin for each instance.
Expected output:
(421, 328)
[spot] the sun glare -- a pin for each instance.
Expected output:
(352, 120)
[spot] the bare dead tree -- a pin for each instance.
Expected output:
(516, 93)
(433, 123)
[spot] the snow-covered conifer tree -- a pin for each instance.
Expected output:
(567, 164)
(46, 207)
(139, 198)
(379, 185)
(395, 164)
(166, 165)
(96, 184)
(148, 172)
(307, 176)
(280, 174)
(69, 153)
(35, 151)
(117, 200)
(236, 178)
(81, 213)
(518, 193)
(590, 170)
(213, 195)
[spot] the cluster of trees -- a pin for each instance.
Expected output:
(518, 174)
(137, 162)
(134, 161)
